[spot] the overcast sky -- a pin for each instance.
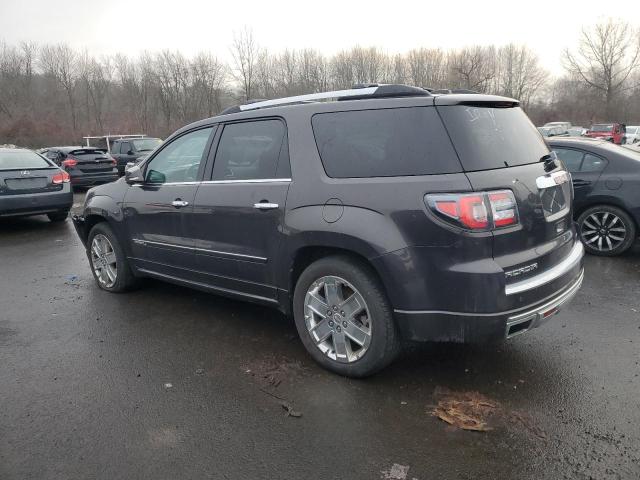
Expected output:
(131, 26)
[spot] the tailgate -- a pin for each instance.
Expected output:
(499, 148)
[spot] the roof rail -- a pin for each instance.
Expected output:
(358, 92)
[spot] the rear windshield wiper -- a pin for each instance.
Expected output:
(549, 161)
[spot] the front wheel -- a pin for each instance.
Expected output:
(109, 264)
(343, 317)
(606, 230)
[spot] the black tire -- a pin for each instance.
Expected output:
(591, 241)
(58, 216)
(125, 280)
(384, 343)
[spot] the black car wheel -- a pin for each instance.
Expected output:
(58, 216)
(606, 230)
(344, 318)
(109, 264)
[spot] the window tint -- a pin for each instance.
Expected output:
(487, 138)
(179, 160)
(124, 147)
(592, 163)
(251, 151)
(384, 143)
(15, 159)
(570, 158)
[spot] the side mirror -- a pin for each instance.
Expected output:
(130, 152)
(133, 175)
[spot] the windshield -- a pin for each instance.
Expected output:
(601, 128)
(146, 144)
(487, 137)
(16, 159)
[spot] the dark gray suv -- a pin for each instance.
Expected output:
(384, 213)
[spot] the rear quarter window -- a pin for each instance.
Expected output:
(384, 143)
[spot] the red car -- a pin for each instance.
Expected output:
(612, 132)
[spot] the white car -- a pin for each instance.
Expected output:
(563, 125)
(632, 134)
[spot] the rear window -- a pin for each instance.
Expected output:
(86, 154)
(487, 138)
(15, 159)
(601, 128)
(384, 143)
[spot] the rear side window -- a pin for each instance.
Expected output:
(384, 143)
(592, 163)
(252, 151)
(16, 159)
(488, 138)
(570, 158)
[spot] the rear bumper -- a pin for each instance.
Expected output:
(444, 326)
(87, 180)
(36, 203)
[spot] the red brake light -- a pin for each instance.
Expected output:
(62, 177)
(70, 162)
(476, 211)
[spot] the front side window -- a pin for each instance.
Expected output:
(179, 161)
(252, 151)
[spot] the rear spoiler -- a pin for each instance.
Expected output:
(472, 100)
(86, 151)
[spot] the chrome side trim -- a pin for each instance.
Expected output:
(213, 182)
(574, 257)
(139, 241)
(259, 180)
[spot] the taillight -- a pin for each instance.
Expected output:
(62, 177)
(479, 211)
(70, 162)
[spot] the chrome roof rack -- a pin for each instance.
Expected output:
(358, 92)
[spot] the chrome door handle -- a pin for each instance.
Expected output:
(265, 206)
(179, 203)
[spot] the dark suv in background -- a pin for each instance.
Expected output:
(387, 213)
(129, 150)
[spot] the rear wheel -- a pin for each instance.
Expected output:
(58, 216)
(344, 318)
(109, 264)
(606, 230)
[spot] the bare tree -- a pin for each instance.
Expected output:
(427, 67)
(209, 80)
(607, 55)
(60, 62)
(245, 52)
(472, 68)
(519, 73)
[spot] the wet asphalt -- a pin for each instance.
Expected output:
(168, 383)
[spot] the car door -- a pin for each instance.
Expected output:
(237, 217)
(155, 210)
(585, 168)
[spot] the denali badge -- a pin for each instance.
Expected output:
(519, 271)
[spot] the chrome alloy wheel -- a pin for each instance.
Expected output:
(103, 261)
(603, 231)
(337, 319)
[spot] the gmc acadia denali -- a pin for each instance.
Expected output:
(371, 215)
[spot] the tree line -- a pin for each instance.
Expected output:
(54, 94)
